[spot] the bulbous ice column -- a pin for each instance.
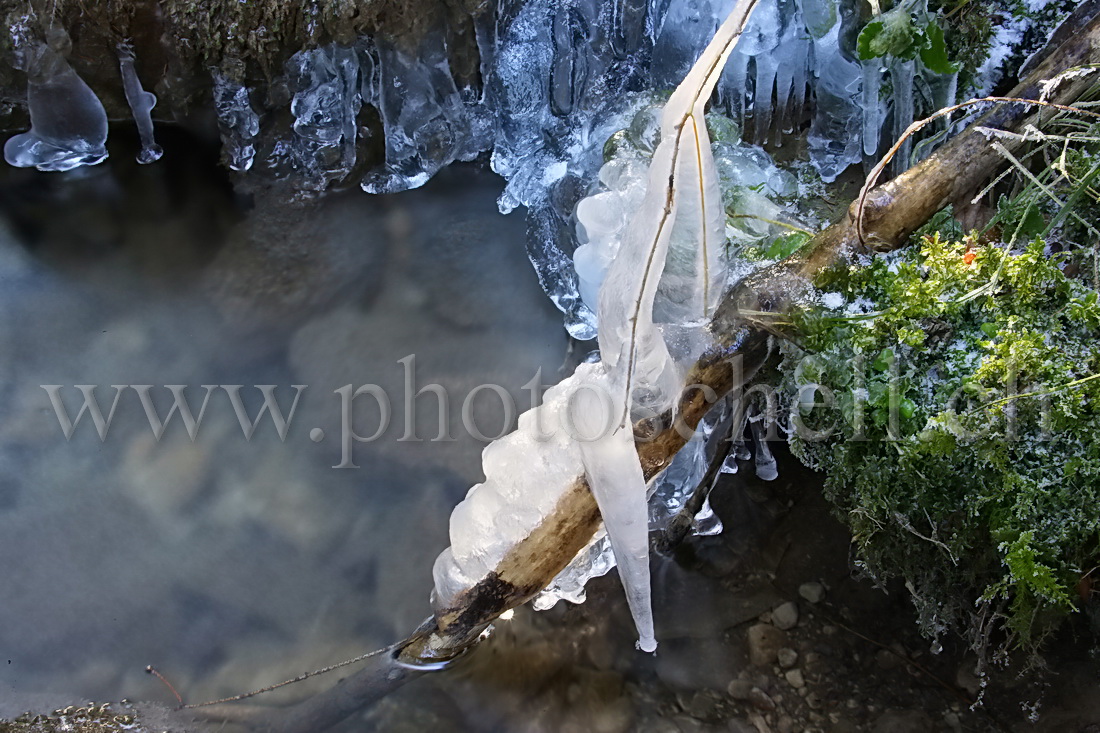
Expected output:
(68, 123)
(141, 105)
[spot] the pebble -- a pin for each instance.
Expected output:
(812, 592)
(966, 678)
(795, 679)
(787, 657)
(740, 689)
(785, 616)
(761, 701)
(765, 641)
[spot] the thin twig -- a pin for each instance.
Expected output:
(872, 178)
(269, 688)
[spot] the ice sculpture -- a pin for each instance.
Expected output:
(141, 105)
(238, 122)
(68, 123)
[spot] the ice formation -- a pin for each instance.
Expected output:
(668, 261)
(238, 122)
(325, 104)
(68, 123)
(838, 124)
(558, 78)
(428, 121)
(141, 105)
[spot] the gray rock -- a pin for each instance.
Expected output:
(795, 679)
(812, 592)
(787, 657)
(740, 689)
(765, 641)
(785, 616)
(966, 678)
(761, 700)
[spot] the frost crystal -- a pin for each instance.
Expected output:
(68, 123)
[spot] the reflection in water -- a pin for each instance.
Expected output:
(232, 563)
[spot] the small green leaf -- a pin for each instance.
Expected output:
(866, 46)
(934, 51)
(786, 245)
(893, 34)
(883, 361)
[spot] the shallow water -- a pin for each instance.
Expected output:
(230, 563)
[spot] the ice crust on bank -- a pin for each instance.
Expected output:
(141, 105)
(68, 123)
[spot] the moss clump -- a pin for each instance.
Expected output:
(956, 407)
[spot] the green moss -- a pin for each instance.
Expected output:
(961, 443)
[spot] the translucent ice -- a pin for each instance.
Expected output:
(836, 131)
(874, 107)
(615, 476)
(901, 76)
(238, 122)
(681, 212)
(141, 105)
(425, 117)
(526, 473)
(326, 87)
(68, 123)
(766, 469)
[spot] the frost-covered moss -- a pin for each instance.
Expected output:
(957, 409)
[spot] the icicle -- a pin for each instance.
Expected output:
(901, 77)
(141, 105)
(569, 65)
(628, 24)
(616, 479)
(68, 123)
(707, 523)
(767, 67)
(834, 138)
(873, 106)
(766, 469)
(326, 103)
(733, 83)
(682, 201)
